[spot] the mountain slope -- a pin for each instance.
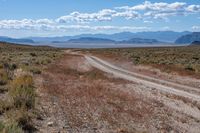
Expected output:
(195, 43)
(140, 41)
(189, 38)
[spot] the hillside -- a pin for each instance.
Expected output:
(140, 41)
(195, 43)
(189, 38)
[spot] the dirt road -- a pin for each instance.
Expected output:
(142, 79)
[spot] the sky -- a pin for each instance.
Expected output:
(25, 18)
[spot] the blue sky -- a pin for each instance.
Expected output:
(23, 18)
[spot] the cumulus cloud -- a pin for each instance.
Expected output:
(50, 25)
(127, 14)
(103, 15)
(26, 24)
(158, 10)
(146, 11)
(162, 10)
(193, 8)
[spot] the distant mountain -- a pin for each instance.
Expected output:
(50, 39)
(91, 40)
(164, 36)
(189, 38)
(195, 43)
(13, 40)
(140, 41)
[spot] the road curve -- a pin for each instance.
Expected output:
(160, 85)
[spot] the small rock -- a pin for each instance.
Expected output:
(50, 124)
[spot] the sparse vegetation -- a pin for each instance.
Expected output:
(18, 65)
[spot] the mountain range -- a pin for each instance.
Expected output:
(157, 37)
(92, 40)
(163, 36)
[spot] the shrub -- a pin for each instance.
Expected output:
(4, 106)
(24, 81)
(3, 77)
(22, 92)
(35, 70)
(33, 54)
(2, 126)
(21, 116)
(189, 67)
(11, 128)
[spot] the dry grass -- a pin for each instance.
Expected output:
(88, 99)
(22, 92)
(18, 66)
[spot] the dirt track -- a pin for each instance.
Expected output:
(160, 85)
(77, 97)
(142, 79)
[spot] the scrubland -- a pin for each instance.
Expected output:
(44, 89)
(19, 64)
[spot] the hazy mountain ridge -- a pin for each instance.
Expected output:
(140, 41)
(189, 38)
(90, 40)
(163, 36)
(109, 41)
(14, 40)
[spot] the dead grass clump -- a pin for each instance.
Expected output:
(18, 109)
(3, 77)
(22, 117)
(22, 92)
(11, 128)
(5, 105)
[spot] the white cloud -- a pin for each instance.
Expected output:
(148, 21)
(196, 28)
(103, 15)
(80, 21)
(162, 10)
(127, 14)
(161, 6)
(193, 8)
(50, 25)
(158, 10)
